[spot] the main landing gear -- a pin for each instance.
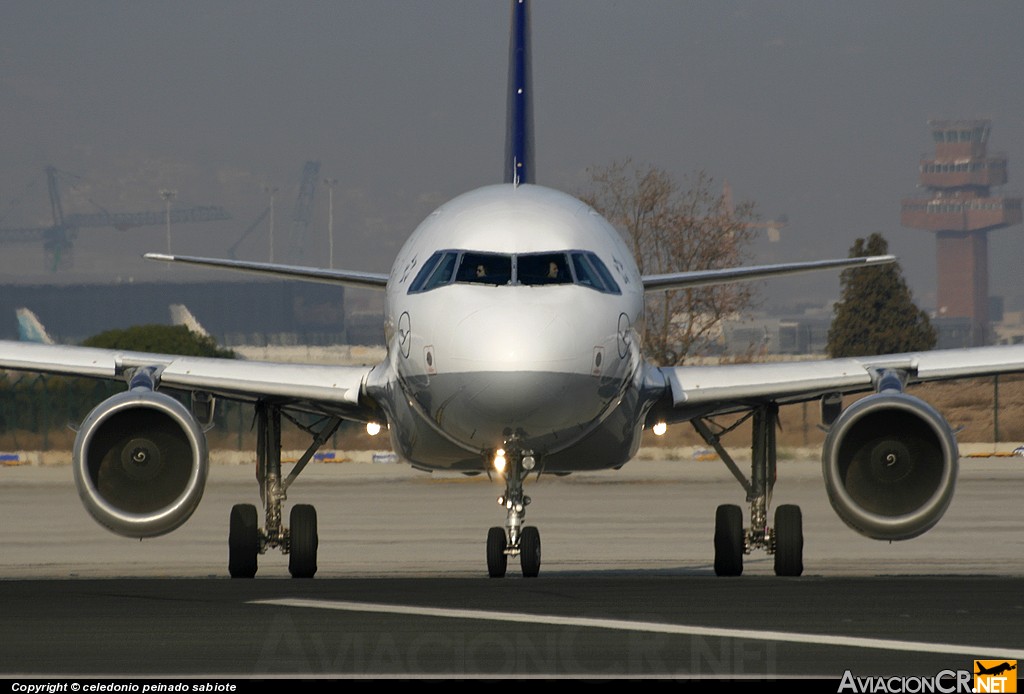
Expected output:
(784, 539)
(246, 540)
(514, 539)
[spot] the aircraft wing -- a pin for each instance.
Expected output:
(731, 385)
(352, 278)
(706, 278)
(336, 389)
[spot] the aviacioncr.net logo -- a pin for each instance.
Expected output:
(944, 682)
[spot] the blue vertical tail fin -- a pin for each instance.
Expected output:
(30, 328)
(519, 123)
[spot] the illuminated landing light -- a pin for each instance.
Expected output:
(372, 428)
(499, 460)
(660, 428)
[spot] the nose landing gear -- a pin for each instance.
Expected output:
(514, 539)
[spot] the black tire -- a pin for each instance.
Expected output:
(529, 552)
(789, 541)
(497, 560)
(729, 543)
(243, 541)
(303, 542)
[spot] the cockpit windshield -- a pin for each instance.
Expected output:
(543, 268)
(528, 269)
(485, 268)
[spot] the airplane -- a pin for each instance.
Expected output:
(30, 328)
(513, 319)
(180, 315)
(995, 669)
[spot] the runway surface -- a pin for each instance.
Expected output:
(626, 587)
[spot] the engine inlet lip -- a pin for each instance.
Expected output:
(874, 525)
(163, 520)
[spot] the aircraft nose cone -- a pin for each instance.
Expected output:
(514, 368)
(512, 338)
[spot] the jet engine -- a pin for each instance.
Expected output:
(140, 463)
(890, 463)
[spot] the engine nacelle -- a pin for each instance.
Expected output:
(140, 462)
(890, 463)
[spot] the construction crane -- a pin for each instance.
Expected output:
(772, 226)
(248, 230)
(58, 238)
(302, 216)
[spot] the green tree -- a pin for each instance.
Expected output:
(675, 227)
(876, 313)
(162, 339)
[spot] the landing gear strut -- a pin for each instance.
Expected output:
(246, 540)
(785, 538)
(514, 539)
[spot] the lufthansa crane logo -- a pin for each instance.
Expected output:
(623, 338)
(404, 335)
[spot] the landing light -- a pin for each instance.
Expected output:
(372, 428)
(660, 428)
(499, 460)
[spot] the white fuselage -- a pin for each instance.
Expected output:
(504, 356)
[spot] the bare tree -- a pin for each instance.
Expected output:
(673, 227)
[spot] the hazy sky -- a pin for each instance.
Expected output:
(816, 110)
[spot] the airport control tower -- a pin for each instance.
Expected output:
(960, 210)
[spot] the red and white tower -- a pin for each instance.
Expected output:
(959, 208)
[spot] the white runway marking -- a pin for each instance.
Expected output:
(653, 627)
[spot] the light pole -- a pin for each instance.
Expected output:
(168, 196)
(330, 183)
(272, 191)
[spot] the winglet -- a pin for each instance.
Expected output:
(519, 121)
